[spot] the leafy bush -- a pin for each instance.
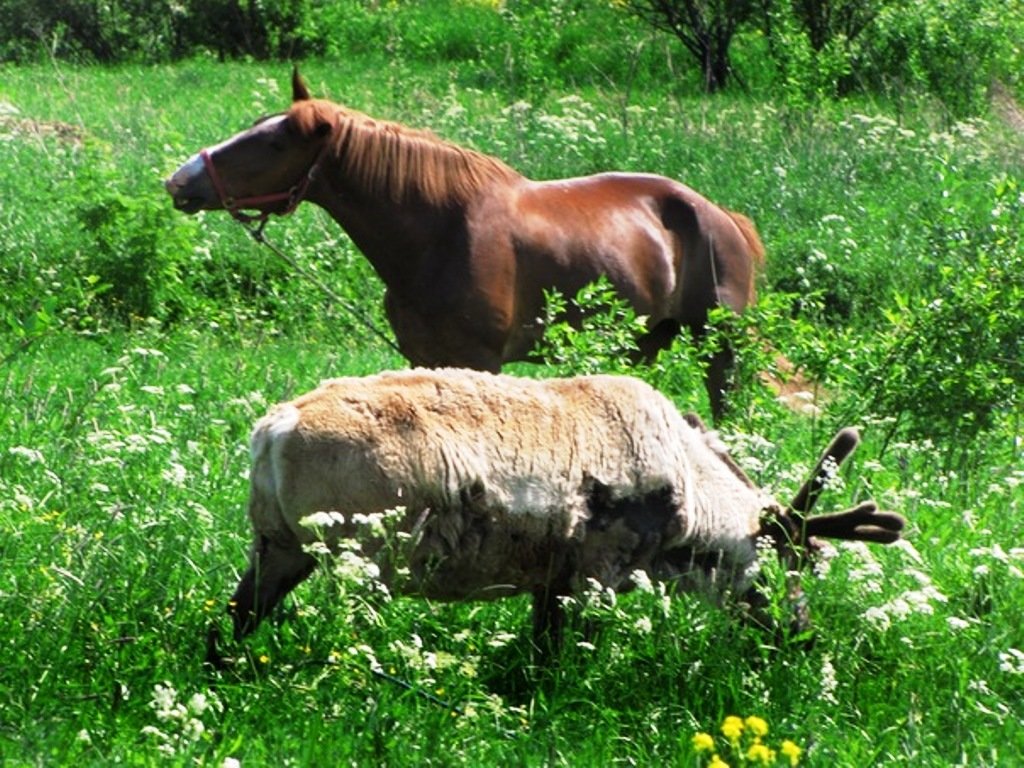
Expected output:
(134, 245)
(950, 364)
(952, 49)
(138, 30)
(595, 332)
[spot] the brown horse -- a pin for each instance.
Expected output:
(467, 246)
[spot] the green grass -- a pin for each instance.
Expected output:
(123, 454)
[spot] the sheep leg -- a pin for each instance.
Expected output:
(274, 571)
(548, 620)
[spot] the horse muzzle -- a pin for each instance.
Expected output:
(190, 188)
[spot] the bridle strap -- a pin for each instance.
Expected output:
(235, 206)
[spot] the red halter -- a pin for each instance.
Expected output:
(234, 206)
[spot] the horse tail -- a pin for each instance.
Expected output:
(749, 232)
(754, 244)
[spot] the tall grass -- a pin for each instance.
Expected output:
(123, 458)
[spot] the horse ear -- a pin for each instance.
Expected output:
(299, 90)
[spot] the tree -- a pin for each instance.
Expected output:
(826, 19)
(704, 27)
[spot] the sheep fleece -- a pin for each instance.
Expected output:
(497, 477)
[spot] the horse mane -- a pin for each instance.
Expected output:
(399, 162)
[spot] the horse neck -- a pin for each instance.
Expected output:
(393, 236)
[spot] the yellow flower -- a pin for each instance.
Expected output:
(791, 750)
(717, 762)
(702, 742)
(732, 727)
(759, 753)
(264, 659)
(756, 725)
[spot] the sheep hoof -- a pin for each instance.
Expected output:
(213, 655)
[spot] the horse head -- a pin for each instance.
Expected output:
(267, 168)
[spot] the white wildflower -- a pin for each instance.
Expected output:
(995, 552)
(822, 564)
(31, 455)
(317, 549)
(643, 625)
(176, 475)
(642, 580)
(367, 652)
(372, 522)
(869, 574)
(598, 595)
(165, 704)
(979, 686)
(829, 476)
(322, 520)
(922, 578)
(1011, 661)
(957, 624)
(878, 618)
(500, 639)
(352, 567)
(829, 683)
(907, 548)
(192, 729)
(199, 703)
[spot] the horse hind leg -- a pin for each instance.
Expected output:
(718, 376)
(718, 380)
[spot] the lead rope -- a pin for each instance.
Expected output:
(257, 234)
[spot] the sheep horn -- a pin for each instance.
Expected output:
(794, 527)
(861, 523)
(842, 445)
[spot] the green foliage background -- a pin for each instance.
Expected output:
(138, 346)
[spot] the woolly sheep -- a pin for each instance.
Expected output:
(510, 485)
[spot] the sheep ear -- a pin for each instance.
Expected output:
(695, 421)
(842, 445)
(299, 90)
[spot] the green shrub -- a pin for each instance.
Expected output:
(952, 49)
(134, 246)
(949, 364)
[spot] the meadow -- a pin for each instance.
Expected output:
(140, 345)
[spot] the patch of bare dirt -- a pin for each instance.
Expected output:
(13, 126)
